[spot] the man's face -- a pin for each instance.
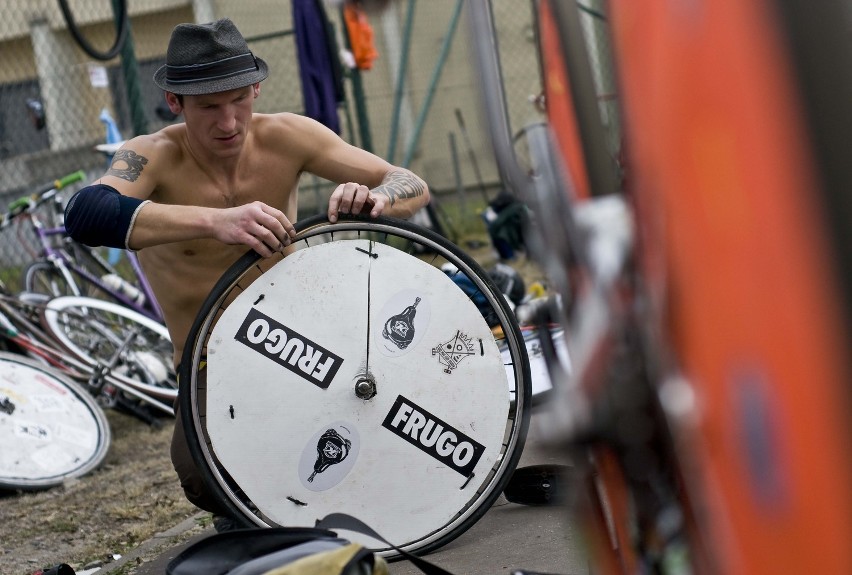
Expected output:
(220, 121)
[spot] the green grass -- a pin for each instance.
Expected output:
(12, 278)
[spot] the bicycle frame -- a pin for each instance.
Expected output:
(21, 333)
(65, 265)
(736, 292)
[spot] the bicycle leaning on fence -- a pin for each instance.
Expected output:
(66, 267)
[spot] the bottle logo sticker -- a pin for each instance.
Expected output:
(403, 321)
(329, 456)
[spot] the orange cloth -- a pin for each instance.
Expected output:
(360, 36)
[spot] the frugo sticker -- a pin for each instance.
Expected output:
(288, 348)
(329, 456)
(433, 436)
(402, 322)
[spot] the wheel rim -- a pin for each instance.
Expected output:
(93, 329)
(50, 428)
(359, 420)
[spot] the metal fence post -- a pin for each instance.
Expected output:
(130, 71)
(400, 81)
(433, 84)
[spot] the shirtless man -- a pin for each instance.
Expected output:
(193, 197)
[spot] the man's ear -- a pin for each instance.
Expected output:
(174, 104)
(256, 89)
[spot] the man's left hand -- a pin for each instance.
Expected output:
(352, 198)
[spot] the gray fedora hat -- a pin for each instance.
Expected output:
(208, 58)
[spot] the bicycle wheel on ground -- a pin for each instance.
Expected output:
(136, 349)
(50, 427)
(356, 377)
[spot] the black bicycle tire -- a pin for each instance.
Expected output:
(120, 35)
(84, 286)
(77, 394)
(600, 165)
(188, 368)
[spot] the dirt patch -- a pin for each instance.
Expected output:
(131, 497)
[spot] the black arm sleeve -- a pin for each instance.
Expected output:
(98, 215)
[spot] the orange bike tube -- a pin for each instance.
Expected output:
(721, 166)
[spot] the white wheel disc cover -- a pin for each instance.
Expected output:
(46, 432)
(267, 419)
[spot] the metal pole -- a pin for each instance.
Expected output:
(471, 155)
(433, 83)
(400, 81)
(457, 173)
(130, 71)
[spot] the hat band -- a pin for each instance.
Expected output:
(211, 70)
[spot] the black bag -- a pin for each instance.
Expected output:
(61, 569)
(290, 551)
(223, 552)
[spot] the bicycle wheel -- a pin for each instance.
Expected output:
(50, 427)
(136, 349)
(356, 377)
(42, 277)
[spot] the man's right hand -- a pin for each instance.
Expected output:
(263, 228)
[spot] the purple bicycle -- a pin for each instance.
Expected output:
(66, 267)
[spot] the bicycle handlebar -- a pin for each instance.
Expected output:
(25, 203)
(66, 181)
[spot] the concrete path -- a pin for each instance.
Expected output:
(508, 537)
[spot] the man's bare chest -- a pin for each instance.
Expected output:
(269, 182)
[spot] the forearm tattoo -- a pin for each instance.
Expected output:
(127, 165)
(399, 185)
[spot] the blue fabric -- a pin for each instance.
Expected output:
(476, 296)
(316, 63)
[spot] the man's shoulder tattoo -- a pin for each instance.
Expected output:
(127, 165)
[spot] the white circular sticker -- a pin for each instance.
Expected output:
(329, 456)
(402, 322)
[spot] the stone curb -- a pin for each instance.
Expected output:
(155, 545)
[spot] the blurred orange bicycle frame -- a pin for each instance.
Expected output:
(735, 260)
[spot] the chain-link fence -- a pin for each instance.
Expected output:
(417, 105)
